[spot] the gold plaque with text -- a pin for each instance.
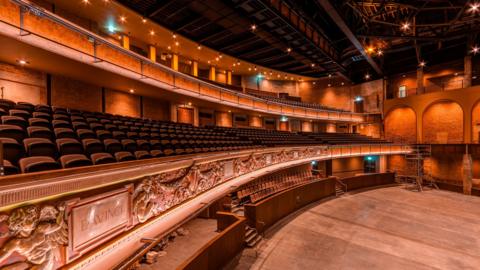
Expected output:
(94, 220)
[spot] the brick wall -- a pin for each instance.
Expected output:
(443, 123)
(22, 84)
(121, 103)
(69, 93)
(223, 119)
(476, 123)
(255, 121)
(401, 125)
(156, 109)
(346, 167)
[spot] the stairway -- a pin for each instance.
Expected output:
(236, 207)
(252, 238)
(339, 191)
(340, 188)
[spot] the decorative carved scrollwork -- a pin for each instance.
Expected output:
(35, 236)
(153, 195)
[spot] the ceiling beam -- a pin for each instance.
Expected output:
(332, 12)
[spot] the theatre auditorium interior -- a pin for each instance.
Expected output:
(239, 134)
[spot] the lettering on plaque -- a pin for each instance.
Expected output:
(95, 220)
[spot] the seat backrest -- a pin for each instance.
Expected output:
(124, 156)
(92, 146)
(14, 120)
(64, 133)
(39, 147)
(75, 160)
(39, 132)
(102, 158)
(68, 146)
(12, 131)
(112, 146)
(86, 134)
(37, 164)
(12, 150)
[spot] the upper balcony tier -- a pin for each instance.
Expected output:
(25, 23)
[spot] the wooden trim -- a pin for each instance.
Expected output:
(221, 249)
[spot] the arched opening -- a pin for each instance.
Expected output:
(401, 125)
(476, 123)
(443, 123)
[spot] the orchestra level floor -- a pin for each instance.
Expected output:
(386, 228)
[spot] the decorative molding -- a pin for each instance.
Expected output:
(45, 229)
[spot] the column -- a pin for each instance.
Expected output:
(125, 42)
(307, 126)
(229, 77)
(194, 68)
(420, 87)
(212, 74)
(152, 53)
(467, 174)
(175, 62)
(382, 168)
(467, 77)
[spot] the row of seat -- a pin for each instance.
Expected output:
(271, 184)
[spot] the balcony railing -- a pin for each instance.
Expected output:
(35, 21)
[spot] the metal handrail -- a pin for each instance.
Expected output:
(96, 39)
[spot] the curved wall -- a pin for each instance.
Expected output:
(129, 201)
(401, 125)
(441, 117)
(443, 123)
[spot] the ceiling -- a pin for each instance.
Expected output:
(324, 36)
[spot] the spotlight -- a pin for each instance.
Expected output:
(367, 76)
(475, 49)
(329, 85)
(22, 62)
(131, 91)
(312, 65)
(177, 43)
(189, 103)
(253, 27)
(474, 7)
(289, 50)
(249, 69)
(174, 36)
(86, 1)
(422, 64)
(329, 75)
(370, 49)
(123, 19)
(379, 52)
(144, 20)
(199, 47)
(152, 33)
(405, 26)
(342, 83)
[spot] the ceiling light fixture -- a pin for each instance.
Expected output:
(289, 50)
(422, 63)
(405, 26)
(253, 27)
(123, 19)
(131, 91)
(177, 43)
(22, 62)
(152, 33)
(379, 52)
(144, 20)
(199, 47)
(475, 49)
(474, 7)
(367, 76)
